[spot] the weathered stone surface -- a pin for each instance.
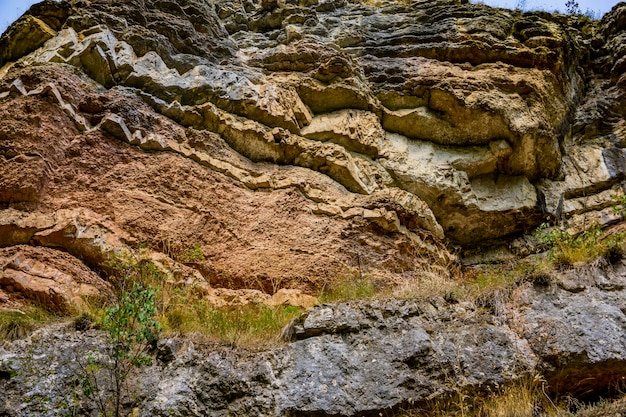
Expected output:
(55, 280)
(296, 142)
(498, 99)
(89, 180)
(364, 357)
(577, 328)
(355, 130)
(22, 179)
(81, 232)
(386, 354)
(23, 37)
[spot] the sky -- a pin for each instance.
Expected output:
(600, 7)
(10, 10)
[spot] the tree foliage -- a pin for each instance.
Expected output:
(572, 7)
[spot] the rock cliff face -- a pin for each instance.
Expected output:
(296, 141)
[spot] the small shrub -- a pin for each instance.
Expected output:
(192, 254)
(572, 7)
(568, 250)
(614, 249)
(132, 330)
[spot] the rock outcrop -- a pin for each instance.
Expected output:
(296, 143)
(278, 134)
(332, 127)
(55, 280)
(358, 358)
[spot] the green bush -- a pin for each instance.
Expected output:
(132, 329)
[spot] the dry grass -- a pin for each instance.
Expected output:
(478, 282)
(524, 398)
(604, 408)
(428, 284)
(349, 288)
(19, 324)
(251, 326)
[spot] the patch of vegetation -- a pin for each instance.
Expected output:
(572, 7)
(251, 325)
(569, 250)
(19, 324)
(183, 310)
(485, 279)
(180, 252)
(132, 330)
(349, 288)
(193, 254)
(619, 206)
(524, 398)
(603, 408)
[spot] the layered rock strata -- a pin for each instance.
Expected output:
(300, 142)
(359, 129)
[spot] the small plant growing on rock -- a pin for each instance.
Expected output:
(567, 250)
(619, 206)
(131, 329)
(192, 254)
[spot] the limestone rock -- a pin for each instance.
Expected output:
(356, 131)
(468, 136)
(473, 107)
(393, 352)
(364, 357)
(296, 142)
(23, 37)
(577, 328)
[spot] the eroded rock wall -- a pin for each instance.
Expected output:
(455, 121)
(296, 143)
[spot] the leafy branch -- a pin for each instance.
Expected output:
(132, 329)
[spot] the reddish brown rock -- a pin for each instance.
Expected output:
(55, 280)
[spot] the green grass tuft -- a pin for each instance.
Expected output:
(354, 288)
